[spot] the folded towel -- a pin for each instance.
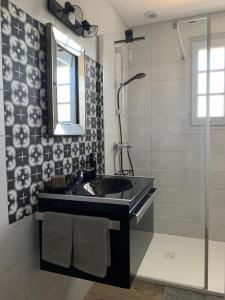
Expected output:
(57, 234)
(91, 242)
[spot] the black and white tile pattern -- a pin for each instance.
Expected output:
(32, 156)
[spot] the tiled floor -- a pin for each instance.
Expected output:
(140, 291)
(180, 260)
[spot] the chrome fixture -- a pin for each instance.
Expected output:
(118, 147)
(113, 225)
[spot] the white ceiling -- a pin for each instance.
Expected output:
(132, 11)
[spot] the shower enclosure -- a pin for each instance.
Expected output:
(176, 125)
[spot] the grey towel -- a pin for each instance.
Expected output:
(57, 234)
(91, 242)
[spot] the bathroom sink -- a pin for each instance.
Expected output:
(103, 189)
(103, 186)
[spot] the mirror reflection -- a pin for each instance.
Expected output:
(67, 86)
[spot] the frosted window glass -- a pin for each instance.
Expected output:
(64, 113)
(217, 106)
(63, 94)
(217, 82)
(202, 60)
(201, 106)
(202, 83)
(63, 74)
(217, 58)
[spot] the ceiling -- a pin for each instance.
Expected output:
(132, 11)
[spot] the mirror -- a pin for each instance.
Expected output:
(66, 84)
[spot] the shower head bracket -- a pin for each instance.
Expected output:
(129, 38)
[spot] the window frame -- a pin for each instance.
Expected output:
(195, 44)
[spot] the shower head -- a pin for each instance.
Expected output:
(137, 76)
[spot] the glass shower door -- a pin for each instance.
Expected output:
(169, 145)
(216, 199)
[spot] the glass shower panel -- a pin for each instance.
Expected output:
(217, 158)
(169, 143)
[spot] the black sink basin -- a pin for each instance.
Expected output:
(103, 186)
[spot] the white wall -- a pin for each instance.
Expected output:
(166, 146)
(20, 277)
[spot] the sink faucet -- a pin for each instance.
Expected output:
(89, 173)
(93, 165)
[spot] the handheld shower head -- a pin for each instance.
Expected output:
(140, 75)
(137, 76)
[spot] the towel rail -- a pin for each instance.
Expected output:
(113, 225)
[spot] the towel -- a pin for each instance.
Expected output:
(91, 243)
(57, 234)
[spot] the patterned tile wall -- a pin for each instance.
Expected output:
(33, 156)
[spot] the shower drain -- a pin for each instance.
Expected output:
(170, 254)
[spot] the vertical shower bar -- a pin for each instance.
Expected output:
(207, 155)
(118, 64)
(121, 79)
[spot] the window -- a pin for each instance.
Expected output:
(67, 86)
(198, 80)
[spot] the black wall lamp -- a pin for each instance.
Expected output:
(72, 16)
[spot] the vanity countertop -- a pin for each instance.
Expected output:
(138, 187)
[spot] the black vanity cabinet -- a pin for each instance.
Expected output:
(124, 216)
